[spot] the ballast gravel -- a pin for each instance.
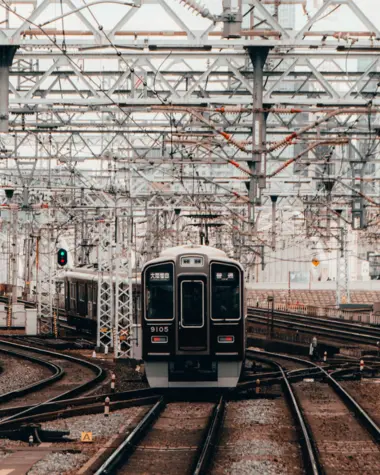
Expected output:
(258, 438)
(68, 462)
(99, 425)
(58, 463)
(18, 373)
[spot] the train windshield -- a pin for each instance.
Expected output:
(225, 292)
(159, 292)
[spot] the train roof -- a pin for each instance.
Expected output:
(208, 251)
(211, 252)
(92, 274)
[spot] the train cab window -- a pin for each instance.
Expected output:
(159, 292)
(225, 292)
(192, 303)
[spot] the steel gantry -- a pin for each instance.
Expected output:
(152, 126)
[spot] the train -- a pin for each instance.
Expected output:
(193, 318)
(189, 312)
(81, 298)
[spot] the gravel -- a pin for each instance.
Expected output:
(67, 462)
(258, 437)
(99, 425)
(3, 455)
(367, 394)
(343, 444)
(58, 463)
(127, 378)
(18, 373)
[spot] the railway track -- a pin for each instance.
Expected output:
(171, 438)
(325, 425)
(333, 323)
(316, 326)
(73, 376)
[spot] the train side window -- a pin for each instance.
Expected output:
(89, 292)
(225, 292)
(159, 294)
(81, 293)
(72, 296)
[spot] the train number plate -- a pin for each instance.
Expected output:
(159, 329)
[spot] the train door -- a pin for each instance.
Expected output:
(192, 325)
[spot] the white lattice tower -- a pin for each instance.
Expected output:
(123, 302)
(45, 280)
(342, 271)
(124, 325)
(105, 324)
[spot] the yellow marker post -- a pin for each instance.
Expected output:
(86, 437)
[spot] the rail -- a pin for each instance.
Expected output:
(317, 328)
(318, 311)
(125, 449)
(100, 374)
(208, 446)
(56, 370)
(309, 453)
(361, 414)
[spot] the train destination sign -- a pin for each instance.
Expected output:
(159, 276)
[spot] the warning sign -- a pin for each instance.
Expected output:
(315, 262)
(86, 437)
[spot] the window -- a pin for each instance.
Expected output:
(72, 296)
(159, 292)
(225, 292)
(192, 303)
(81, 296)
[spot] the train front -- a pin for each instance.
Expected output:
(193, 322)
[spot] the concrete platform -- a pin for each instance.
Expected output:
(21, 461)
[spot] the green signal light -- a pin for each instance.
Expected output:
(62, 253)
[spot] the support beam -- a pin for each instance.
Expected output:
(258, 56)
(6, 58)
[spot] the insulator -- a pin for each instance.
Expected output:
(202, 10)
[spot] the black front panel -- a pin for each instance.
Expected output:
(192, 313)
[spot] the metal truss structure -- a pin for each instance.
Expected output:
(214, 128)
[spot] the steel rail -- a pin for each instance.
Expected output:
(79, 401)
(316, 329)
(125, 449)
(367, 329)
(309, 452)
(57, 371)
(208, 445)
(100, 374)
(363, 417)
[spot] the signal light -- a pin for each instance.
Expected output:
(62, 257)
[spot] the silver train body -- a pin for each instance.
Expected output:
(193, 318)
